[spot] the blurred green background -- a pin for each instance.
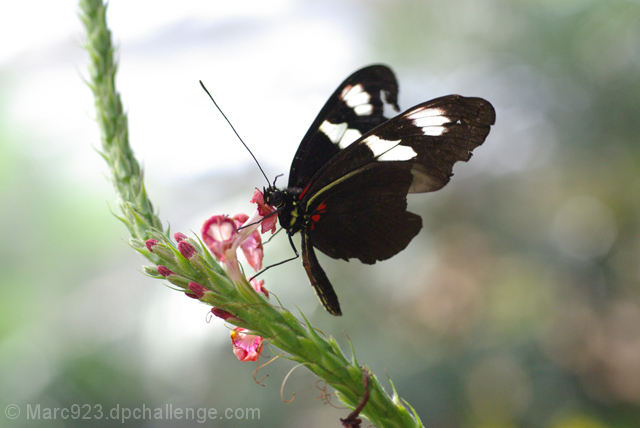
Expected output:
(516, 306)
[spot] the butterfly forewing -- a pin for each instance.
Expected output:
(427, 140)
(356, 107)
(441, 132)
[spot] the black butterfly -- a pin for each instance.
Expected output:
(350, 200)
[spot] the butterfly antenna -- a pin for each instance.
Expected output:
(236, 132)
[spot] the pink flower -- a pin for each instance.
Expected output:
(258, 285)
(247, 347)
(270, 220)
(252, 245)
(224, 235)
(220, 234)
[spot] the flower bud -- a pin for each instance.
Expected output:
(196, 289)
(178, 280)
(179, 236)
(163, 251)
(150, 270)
(186, 249)
(150, 243)
(164, 271)
(221, 313)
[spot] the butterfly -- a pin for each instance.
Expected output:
(346, 196)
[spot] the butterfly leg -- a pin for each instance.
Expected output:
(295, 250)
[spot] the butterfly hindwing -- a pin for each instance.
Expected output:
(365, 216)
(318, 278)
(356, 107)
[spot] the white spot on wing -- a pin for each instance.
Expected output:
(363, 110)
(349, 137)
(430, 120)
(345, 91)
(335, 132)
(399, 153)
(386, 150)
(358, 99)
(426, 112)
(434, 131)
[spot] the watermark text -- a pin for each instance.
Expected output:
(122, 413)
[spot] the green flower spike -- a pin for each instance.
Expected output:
(185, 262)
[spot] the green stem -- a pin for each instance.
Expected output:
(125, 171)
(277, 325)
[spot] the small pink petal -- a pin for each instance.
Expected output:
(270, 220)
(250, 241)
(252, 249)
(240, 218)
(258, 285)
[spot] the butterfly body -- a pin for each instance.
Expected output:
(349, 198)
(291, 215)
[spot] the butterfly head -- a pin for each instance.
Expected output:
(274, 196)
(290, 211)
